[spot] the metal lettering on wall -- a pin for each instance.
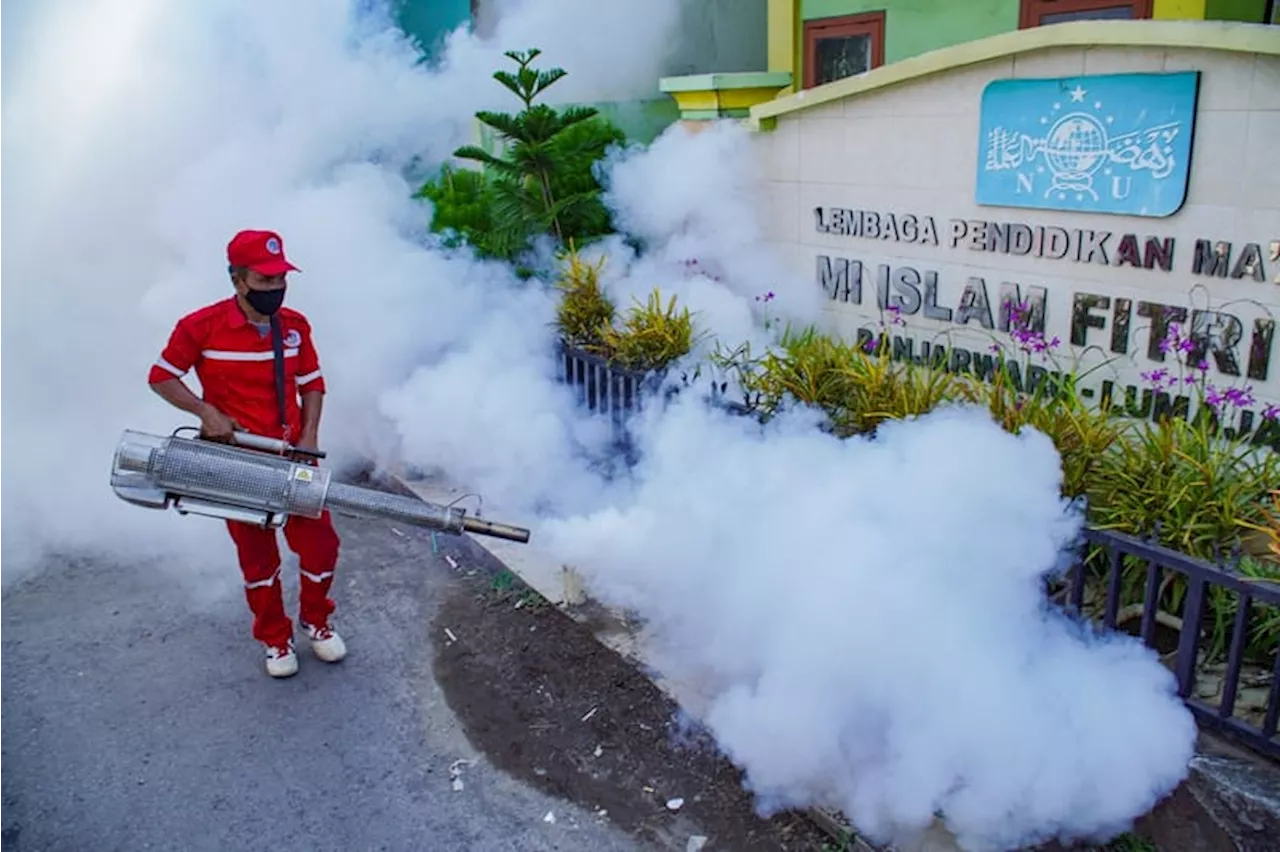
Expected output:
(1112, 143)
(1240, 348)
(908, 291)
(1132, 400)
(1235, 341)
(1207, 256)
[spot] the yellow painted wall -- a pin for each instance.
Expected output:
(1178, 10)
(783, 16)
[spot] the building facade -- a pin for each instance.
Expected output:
(1117, 179)
(819, 41)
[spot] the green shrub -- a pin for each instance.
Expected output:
(542, 182)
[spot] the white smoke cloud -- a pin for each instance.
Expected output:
(141, 135)
(868, 610)
(871, 616)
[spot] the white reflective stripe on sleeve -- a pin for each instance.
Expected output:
(226, 355)
(165, 365)
(262, 584)
(309, 377)
(316, 578)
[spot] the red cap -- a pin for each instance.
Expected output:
(261, 251)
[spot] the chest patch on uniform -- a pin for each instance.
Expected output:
(292, 338)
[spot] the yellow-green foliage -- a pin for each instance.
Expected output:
(586, 312)
(651, 336)
(1199, 488)
(1080, 432)
(855, 390)
(1203, 493)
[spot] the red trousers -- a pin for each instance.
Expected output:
(316, 543)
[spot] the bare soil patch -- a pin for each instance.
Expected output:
(548, 703)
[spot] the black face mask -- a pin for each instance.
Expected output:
(265, 302)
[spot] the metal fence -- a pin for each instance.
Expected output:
(1174, 614)
(600, 387)
(1180, 609)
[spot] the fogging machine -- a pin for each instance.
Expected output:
(259, 481)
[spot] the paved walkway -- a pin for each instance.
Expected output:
(132, 723)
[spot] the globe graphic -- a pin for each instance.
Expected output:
(1077, 146)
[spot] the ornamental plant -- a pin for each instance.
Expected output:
(857, 385)
(650, 336)
(1054, 405)
(1183, 481)
(543, 182)
(585, 312)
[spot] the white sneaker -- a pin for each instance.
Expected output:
(326, 644)
(282, 661)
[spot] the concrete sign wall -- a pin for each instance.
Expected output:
(874, 198)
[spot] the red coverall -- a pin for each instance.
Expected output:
(235, 365)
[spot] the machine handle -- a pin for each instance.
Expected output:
(273, 445)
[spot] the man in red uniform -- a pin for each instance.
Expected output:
(230, 345)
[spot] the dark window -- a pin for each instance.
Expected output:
(1036, 13)
(835, 48)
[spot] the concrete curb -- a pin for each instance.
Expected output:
(562, 587)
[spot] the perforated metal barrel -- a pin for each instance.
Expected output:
(153, 471)
(366, 501)
(241, 477)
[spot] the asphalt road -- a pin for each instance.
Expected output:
(132, 721)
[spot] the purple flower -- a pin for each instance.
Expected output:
(1159, 378)
(1029, 341)
(1155, 378)
(870, 346)
(1229, 397)
(1240, 397)
(1271, 412)
(767, 297)
(1173, 340)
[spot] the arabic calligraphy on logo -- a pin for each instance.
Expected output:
(1107, 144)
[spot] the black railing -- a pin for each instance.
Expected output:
(1181, 605)
(1173, 613)
(600, 387)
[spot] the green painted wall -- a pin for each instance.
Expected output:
(1251, 11)
(642, 121)
(912, 27)
(428, 21)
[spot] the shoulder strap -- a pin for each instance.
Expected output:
(277, 347)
